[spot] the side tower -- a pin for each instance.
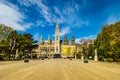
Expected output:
(41, 44)
(65, 41)
(41, 40)
(73, 40)
(57, 39)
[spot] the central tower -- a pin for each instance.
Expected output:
(57, 39)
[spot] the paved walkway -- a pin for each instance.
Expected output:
(56, 69)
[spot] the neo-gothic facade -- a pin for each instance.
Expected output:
(50, 47)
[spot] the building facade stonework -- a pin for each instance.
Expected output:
(63, 47)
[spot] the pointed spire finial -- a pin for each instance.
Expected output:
(41, 37)
(73, 38)
(41, 40)
(57, 28)
(48, 37)
(65, 37)
(57, 24)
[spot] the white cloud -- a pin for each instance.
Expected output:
(113, 13)
(26, 3)
(64, 31)
(86, 37)
(11, 16)
(90, 37)
(61, 18)
(36, 36)
(85, 22)
(67, 14)
(40, 23)
(71, 10)
(43, 9)
(77, 40)
(112, 19)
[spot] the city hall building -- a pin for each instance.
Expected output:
(50, 47)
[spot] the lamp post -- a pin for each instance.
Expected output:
(26, 56)
(46, 53)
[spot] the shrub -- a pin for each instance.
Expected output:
(110, 60)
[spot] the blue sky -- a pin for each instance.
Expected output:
(83, 18)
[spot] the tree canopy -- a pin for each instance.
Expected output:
(13, 43)
(4, 31)
(108, 42)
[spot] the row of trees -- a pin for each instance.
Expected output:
(13, 45)
(108, 42)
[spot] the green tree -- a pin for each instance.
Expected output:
(4, 31)
(4, 44)
(91, 49)
(13, 44)
(108, 42)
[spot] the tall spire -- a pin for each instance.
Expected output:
(57, 27)
(41, 37)
(49, 41)
(41, 40)
(57, 39)
(65, 41)
(73, 40)
(65, 37)
(48, 37)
